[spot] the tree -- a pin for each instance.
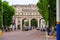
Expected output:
(53, 11)
(8, 12)
(42, 6)
(45, 12)
(0, 13)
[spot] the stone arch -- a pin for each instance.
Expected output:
(42, 23)
(23, 22)
(33, 22)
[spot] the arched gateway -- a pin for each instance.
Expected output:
(28, 12)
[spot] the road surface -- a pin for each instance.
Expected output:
(25, 35)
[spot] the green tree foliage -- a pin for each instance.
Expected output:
(0, 13)
(44, 11)
(53, 12)
(43, 8)
(8, 12)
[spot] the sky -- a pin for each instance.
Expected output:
(14, 2)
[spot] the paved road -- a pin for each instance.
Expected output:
(24, 35)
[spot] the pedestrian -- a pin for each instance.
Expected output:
(48, 30)
(14, 27)
(52, 31)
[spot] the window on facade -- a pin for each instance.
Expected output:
(38, 13)
(23, 13)
(15, 6)
(18, 22)
(32, 14)
(26, 13)
(17, 9)
(35, 14)
(20, 13)
(16, 13)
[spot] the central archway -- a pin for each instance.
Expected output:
(25, 24)
(34, 23)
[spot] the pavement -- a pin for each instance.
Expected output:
(25, 35)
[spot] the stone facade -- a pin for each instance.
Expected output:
(28, 12)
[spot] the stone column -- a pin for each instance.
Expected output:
(16, 21)
(21, 24)
(58, 20)
(38, 24)
(29, 23)
(41, 24)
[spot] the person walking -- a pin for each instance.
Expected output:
(48, 30)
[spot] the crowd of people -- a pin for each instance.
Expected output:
(50, 31)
